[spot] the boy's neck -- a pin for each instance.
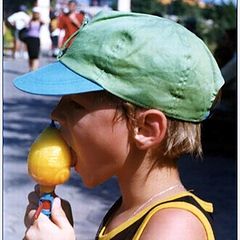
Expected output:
(140, 189)
(139, 185)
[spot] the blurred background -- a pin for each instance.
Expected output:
(24, 116)
(209, 19)
(214, 21)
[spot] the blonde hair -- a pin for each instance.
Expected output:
(181, 137)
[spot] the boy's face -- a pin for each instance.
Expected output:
(100, 144)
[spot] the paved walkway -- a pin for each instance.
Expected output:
(25, 116)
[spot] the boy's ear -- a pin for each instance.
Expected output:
(151, 129)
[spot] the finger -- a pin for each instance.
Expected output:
(30, 234)
(58, 215)
(39, 228)
(41, 220)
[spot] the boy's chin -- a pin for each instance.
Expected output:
(92, 182)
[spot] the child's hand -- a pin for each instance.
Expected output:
(60, 225)
(57, 229)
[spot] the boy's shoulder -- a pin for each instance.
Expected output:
(183, 217)
(184, 225)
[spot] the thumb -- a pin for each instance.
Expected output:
(58, 215)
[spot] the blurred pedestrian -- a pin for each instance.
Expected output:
(54, 33)
(17, 21)
(33, 39)
(70, 20)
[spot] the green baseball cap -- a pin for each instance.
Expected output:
(150, 61)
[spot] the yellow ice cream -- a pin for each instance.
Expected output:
(49, 159)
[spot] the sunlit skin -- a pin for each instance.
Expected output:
(85, 125)
(102, 147)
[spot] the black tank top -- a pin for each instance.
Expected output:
(133, 230)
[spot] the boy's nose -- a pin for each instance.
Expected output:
(58, 112)
(54, 114)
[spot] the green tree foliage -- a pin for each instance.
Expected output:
(209, 23)
(148, 6)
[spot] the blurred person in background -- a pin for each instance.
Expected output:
(69, 21)
(54, 33)
(33, 39)
(17, 21)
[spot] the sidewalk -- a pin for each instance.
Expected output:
(26, 115)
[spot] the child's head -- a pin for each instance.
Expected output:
(36, 13)
(72, 5)
(181, 137)
(146, 61)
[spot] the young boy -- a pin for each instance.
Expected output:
(134, 90)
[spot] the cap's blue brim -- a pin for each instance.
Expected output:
(55, 79)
